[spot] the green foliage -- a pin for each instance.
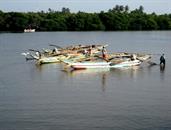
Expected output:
(118, 18)
(2, 21)
(164, 22)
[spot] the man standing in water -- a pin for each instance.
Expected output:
(104, 53)
(162, 60)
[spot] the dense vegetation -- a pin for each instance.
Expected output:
(118, 18)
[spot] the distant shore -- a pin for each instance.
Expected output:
(120, 18)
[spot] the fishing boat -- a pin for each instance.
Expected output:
(127, 63)
(58, 53)
(46, 60)
(90, 65)
(85, 56)
(141, 57)
(101, 63)
(43, 59)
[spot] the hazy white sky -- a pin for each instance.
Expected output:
(158, 6)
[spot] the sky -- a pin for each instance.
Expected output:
(157, 6)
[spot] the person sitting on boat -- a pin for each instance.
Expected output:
(85, 52)
(104, 53)
(90, 51)
(55, 51)
(162, 60)
(133, 57)
(38, 54)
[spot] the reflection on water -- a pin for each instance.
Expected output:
(102, 74)
(162, 72)
(129, 71)
(162, 68)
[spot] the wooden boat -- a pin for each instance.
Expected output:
(46, 60)
(57, 54)
(139, 56)
(52, 59)
(43, 59)
(82, 49)
(75, 57)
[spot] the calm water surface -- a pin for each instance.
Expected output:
(48, 98)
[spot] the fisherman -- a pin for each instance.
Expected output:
(104, 53)
(162, 60)
(85, 52)
(133, 57)
(90, 51)
(38, 54)
(55, 51)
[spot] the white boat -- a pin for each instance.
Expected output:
(103, 64)
(128, 63)
(29, 30)
(90, 65)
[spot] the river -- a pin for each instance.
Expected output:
(48, 98)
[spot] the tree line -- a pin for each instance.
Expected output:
(118, 18)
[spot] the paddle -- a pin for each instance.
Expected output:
(34, 50)
(30, 58)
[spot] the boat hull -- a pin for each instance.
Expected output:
(90, 65)
(87, 65)
(29, 30)
(126, 64)
(47, 60)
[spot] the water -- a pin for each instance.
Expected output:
(47, 98)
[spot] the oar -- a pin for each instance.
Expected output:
(30, 58)
(155, 54)
(34, 50)
(55, 46)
